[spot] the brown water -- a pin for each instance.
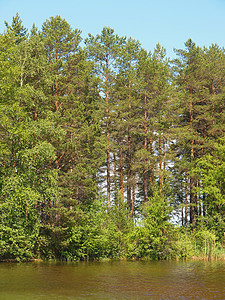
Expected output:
(113, 280)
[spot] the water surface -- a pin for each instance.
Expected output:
(113, 280)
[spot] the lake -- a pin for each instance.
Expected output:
(113, 280)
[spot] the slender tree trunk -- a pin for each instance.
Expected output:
(56, 91)
(204, 205)
(129, 201)
(199, 199)
(186, 202)
(182, 215)
(133, 194)
(121, 169)
(108, 159)
(151, 168)
(193, 195)
(145, 147)
(108, 136)
(115, 180)
(71, 171)
(193, 201)
(160, 164)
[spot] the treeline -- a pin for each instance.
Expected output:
(105, 146)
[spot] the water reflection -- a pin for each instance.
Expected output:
(113, 280)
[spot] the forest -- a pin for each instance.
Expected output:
(107, 150)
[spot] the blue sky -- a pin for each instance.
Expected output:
(169, 22)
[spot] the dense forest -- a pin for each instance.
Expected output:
(108, 150)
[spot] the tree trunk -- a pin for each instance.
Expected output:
(193, 194)
(186, 201)
(193, 201)
(108, 136)
(115, 180)
(56, 91)
(121, 169)
(129, 202)
(151, 169)
(145, 147)
(160, 164)
(133, 194)
(204, 208)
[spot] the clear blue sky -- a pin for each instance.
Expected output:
(169, 22)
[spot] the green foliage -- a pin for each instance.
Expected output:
(19, 219)
(150, 238)
(200, 242)
(77, 122)
(183, 244)
(16, 30)
(100, 234)
(211, 167)
(8, 70)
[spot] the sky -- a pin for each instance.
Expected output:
(167, 22)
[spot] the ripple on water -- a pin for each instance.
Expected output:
(113, 280)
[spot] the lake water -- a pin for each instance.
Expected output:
(113, 280)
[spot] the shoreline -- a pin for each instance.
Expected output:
(144, 259)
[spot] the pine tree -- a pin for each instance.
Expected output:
(154, 93)
(60, 43)
(103, 50)
(200, 85)
(16, 29)
(125, 111)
